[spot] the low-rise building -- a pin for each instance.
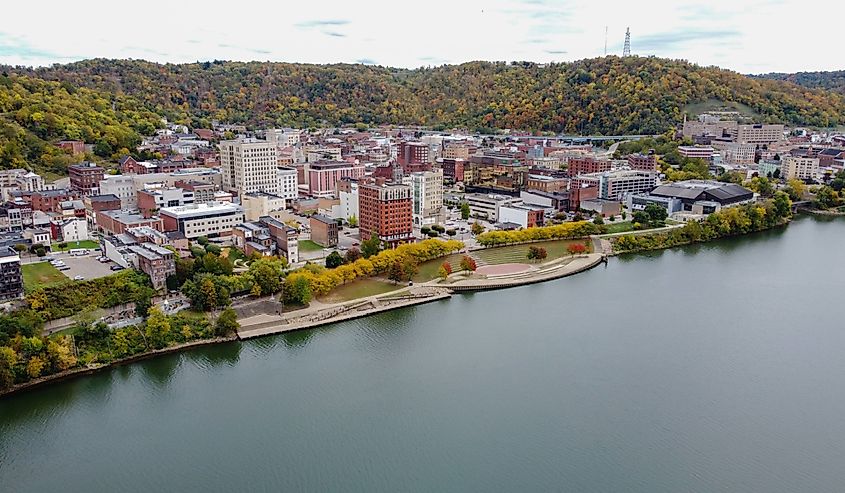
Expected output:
(524, 215)
(195, 220)
(486, 206)
(643, 162)
(85, 178)
(699, 197)
(616, 185)
(323, 230)
(69, 229)
(117, 222)
(260, 204)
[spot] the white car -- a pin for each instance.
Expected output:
(78, 278)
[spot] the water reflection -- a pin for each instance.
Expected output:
(297, 339)
(227, 354)
(159, 370)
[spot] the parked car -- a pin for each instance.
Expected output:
(78, 278)
(116, 267)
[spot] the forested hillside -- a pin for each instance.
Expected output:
(832, 81)
(35, 113)
(110, 102)
(607, 95)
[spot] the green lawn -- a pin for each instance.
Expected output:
(518, 254)
(359, 289)
(41, 274)
(619, 226)
(75, 244)
(309, 246)
(428, 270)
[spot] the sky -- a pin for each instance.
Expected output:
(749, 36)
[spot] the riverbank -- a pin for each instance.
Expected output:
(90, 370)
(264, 324)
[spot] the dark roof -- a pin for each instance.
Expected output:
(323, 219)
(672, 190)
(104, 198)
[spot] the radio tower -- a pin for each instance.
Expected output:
(626, 51)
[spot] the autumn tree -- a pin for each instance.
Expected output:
(157, 329)
(468, 263)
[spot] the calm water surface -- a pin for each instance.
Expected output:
(718, 367)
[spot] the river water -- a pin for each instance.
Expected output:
(712, 367)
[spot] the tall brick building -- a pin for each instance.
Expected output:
(386, 211)
(85, 178)
(587, 164)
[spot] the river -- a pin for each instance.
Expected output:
(711, 367)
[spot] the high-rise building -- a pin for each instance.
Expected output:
(323, 176)
(11, 279)
(249, 165)
(410, 153)
(386, 212)
(288, 183)
(427, 194)
(799, 167)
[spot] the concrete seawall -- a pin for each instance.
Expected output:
(267, 324)
(577, 265)
(262, 325)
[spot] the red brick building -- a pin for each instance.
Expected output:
(85, 178)
(387, 212)
(587, 164)
(323, 230)
(643, 162)
(74, 147)
(50, 200)
(410, 153)
(453, 169)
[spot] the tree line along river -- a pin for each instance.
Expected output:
(716, 366)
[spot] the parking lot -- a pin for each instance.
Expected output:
(86, 266)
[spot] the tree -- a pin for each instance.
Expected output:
(433, 234)
(334, 260)
(425, 230)
(142, 306)
(827, 197)
(62, 245)
(776, 174)
(157, 329)
(267, 274)
(476, 228)
(445, 270)
(782, 204)
(656, 215)
(227, 323)
(212, 248)
(297, 289)
(795, 189)
(465, 211)
(598, 219)
(468, 263)
(353, 221)
(352, 255)
(202, 240)
(396, 273)
(370, 247)
(451, 232)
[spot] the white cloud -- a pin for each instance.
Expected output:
(749, 36)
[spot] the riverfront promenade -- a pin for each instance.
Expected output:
(318, 313)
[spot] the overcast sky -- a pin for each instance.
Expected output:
(750, 36)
